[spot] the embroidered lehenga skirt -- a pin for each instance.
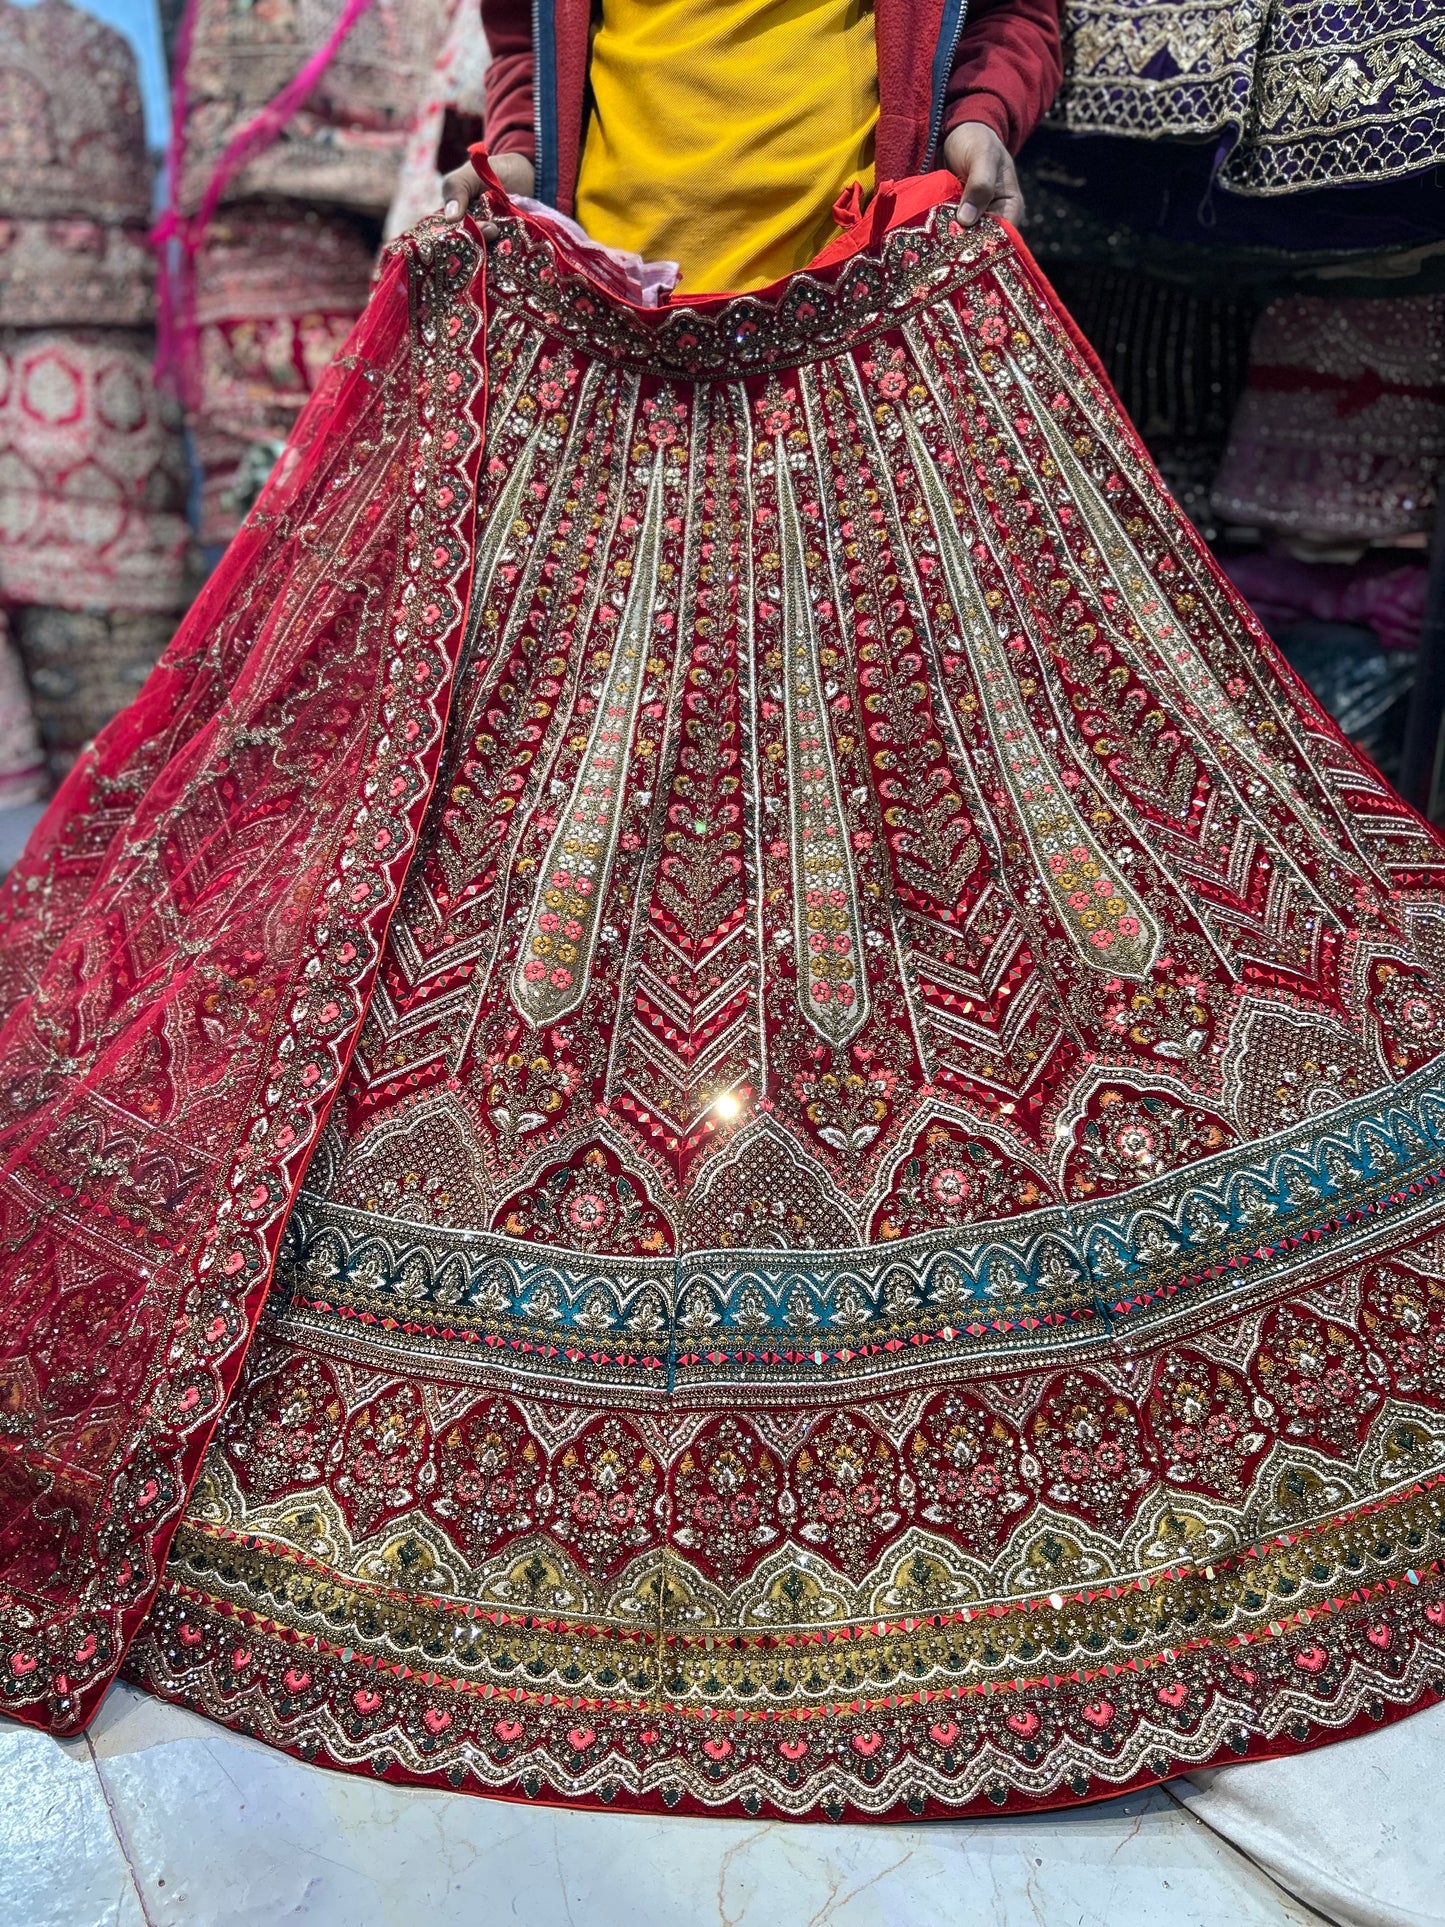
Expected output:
(820, 1078)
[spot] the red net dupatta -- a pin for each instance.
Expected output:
(186, 952)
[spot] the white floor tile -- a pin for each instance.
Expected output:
(243, 1837)
(1358, 1830)
(61, 1864)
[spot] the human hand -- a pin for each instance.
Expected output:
(988, 180)
(464, 184)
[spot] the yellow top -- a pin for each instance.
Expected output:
(772, 101)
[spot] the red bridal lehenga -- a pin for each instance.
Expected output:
(841, 1073)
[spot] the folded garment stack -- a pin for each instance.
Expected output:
(343, 144)
(1178, 355)
(92, 474)
(278, 288)
(1333, 465)
(85, 666)
(92, 466)
(1340, 432)
(1289, 94)
(75, 183)
(294, 125)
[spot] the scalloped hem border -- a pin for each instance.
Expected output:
(277, 1706)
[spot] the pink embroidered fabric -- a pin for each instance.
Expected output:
(92, 474)
(75, 190)
(277, 290)
(1341, 429)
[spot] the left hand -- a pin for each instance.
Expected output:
(988, 180)
(463, 185)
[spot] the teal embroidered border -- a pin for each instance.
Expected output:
(1306, 1200)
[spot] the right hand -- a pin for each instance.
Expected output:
(462, 187)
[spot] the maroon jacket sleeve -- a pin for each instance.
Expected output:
(1007, 69)
(508, 98)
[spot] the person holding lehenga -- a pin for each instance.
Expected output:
(724, 1101)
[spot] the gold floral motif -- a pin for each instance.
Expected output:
(554, 965)
(832, 989)
(1109, 925)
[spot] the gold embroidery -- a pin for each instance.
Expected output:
(1108, 923)
(828, 929)
(561, 933)
(1318, 94)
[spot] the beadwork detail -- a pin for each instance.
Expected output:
(1016, 1380)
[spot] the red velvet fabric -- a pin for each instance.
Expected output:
(1028, 1386)
(176, 1026)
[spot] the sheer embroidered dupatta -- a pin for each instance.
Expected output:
(186, 952)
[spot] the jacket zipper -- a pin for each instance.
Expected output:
(544, 76)
(942, 67)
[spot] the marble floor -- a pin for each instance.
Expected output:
(158, 1819)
